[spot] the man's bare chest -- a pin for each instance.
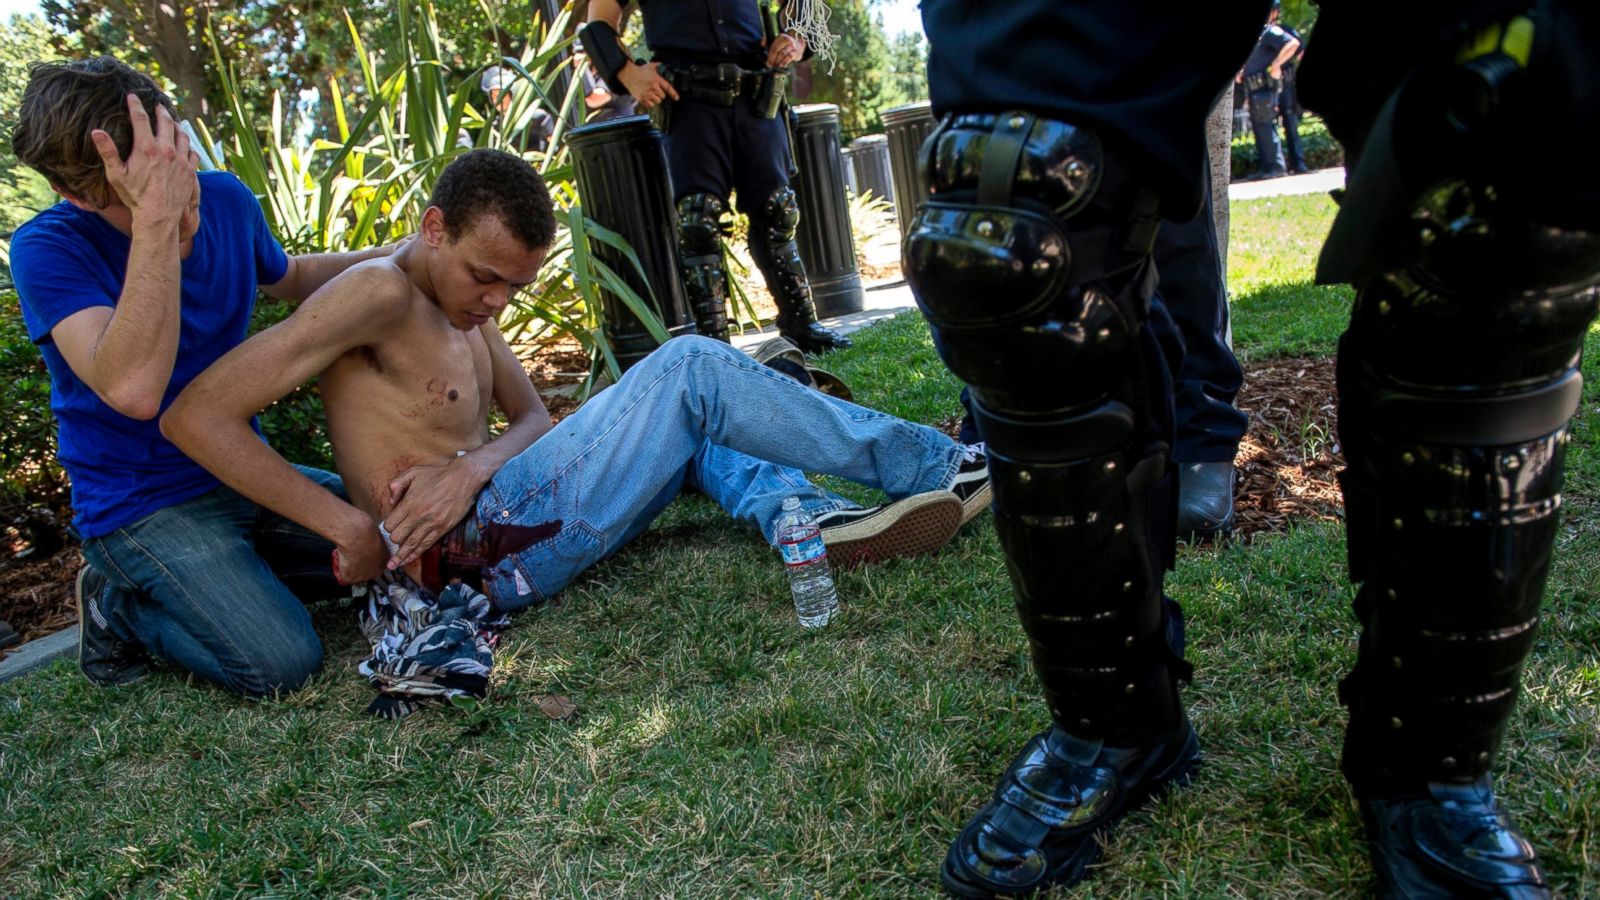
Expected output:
(432, 382)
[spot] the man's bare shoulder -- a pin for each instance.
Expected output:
(374, 285)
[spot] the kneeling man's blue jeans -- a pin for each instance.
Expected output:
(210, 585)
(695, 412)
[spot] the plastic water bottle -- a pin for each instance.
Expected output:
(800, 542)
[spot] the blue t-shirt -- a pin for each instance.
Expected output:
(65, 260)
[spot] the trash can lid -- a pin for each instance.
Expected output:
(911, 111)
(609, 130)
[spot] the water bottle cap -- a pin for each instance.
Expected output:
(791, 503)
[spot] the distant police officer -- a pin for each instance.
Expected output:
(1263, 81)
(602, 104)
(1068, 129)
(722, 71)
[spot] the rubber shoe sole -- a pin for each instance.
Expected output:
(975, 503)
(908, 527)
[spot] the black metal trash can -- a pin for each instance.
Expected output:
(869, 166)
(907, 127)
(827, 244)
(621, 169)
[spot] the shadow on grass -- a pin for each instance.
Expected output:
(1291, 319)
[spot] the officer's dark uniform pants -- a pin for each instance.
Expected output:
(1190, 286)
(1264, 123)
(1289, 111)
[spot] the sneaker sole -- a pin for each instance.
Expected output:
(909, 527)
(973, 506)
(83, 611)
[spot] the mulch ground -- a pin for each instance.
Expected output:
(1288, 459)
(1286, 463)
(36, 594)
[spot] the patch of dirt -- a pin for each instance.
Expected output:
(1290, 456)
(36, 595)
(557, 371)
(888, 271)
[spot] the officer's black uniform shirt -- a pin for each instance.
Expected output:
(681, 32)
(1142, 75)
(1273, 40)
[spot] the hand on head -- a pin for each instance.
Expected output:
(158, 182)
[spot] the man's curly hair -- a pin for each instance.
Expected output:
(63, 103)
(481, 182)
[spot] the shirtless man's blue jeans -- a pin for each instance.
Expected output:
(695, 412)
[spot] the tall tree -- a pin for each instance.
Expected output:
(284, 46)
(907, 80)
(23, 192)
(853, 79)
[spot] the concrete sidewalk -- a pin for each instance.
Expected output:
(1318, 182)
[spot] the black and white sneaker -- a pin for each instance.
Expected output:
(972, 481)
(911, 526)
(104, 658)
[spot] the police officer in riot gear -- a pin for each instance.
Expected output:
(722, 71)
(1068, 127)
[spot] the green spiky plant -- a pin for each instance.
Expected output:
(368, 186)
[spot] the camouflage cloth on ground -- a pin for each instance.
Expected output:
(426, 646)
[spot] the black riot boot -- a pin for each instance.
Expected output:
(1458, 378)
(1031, 263)
(705, 273)
(772, 246)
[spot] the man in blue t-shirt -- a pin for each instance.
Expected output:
(143, 276)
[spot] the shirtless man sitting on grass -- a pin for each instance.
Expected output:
(409, 357)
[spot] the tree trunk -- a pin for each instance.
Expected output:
(1219, 139)
(164, 30)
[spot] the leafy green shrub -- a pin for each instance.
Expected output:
(1321, 150)
(33, 488)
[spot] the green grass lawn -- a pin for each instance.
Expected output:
(720, 751)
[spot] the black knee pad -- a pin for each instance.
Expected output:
(777, 219)
(700, 225)
(1035, 280)
(705, 274)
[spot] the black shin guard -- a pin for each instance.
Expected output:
(705, 274)
(1031, 264)
(773, 248)
(1457, 380)
(1038, 297)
